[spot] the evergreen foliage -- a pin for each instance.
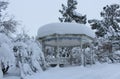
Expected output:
(70, 15)
(7, 23)
(109, 25)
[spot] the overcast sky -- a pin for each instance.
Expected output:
(32, 14)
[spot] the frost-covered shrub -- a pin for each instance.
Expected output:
(36, 56)
(25, 70)
(6, 53)
(76, 56)
(28, 54)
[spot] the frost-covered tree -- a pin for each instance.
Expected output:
(7, 26)
(108, 31)
(7, 23)
(6, 54)
(109, 25)
(29, 57)
(70, 15)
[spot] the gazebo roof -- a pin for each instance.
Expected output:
(64, 28)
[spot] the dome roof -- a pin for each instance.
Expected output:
(65, 28)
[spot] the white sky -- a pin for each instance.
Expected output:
(35, 13)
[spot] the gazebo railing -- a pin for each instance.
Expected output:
(60, 60)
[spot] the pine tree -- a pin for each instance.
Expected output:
(109, 25)
(108, 31)
(70, 15)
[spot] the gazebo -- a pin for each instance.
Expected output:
(58, 41)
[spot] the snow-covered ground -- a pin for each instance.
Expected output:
(13, 73)
(99, 71)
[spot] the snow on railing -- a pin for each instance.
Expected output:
(61, 60)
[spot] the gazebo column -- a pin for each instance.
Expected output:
(92, 57)
(43, 48)
(55, 51)
(57, 40)
(82, 53)
(70, 53)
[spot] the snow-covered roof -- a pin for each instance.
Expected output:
(64, 28)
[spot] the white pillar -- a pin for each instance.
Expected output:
(57, 49)
(82, 53)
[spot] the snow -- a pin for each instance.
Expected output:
(5, 39)
(98, 71)
(12, 77)
(76, 13)
(65, 28)
(13, 73)
(26, 70)
(31, 56)
(6, 54)
(1, 74)
(117, 52)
